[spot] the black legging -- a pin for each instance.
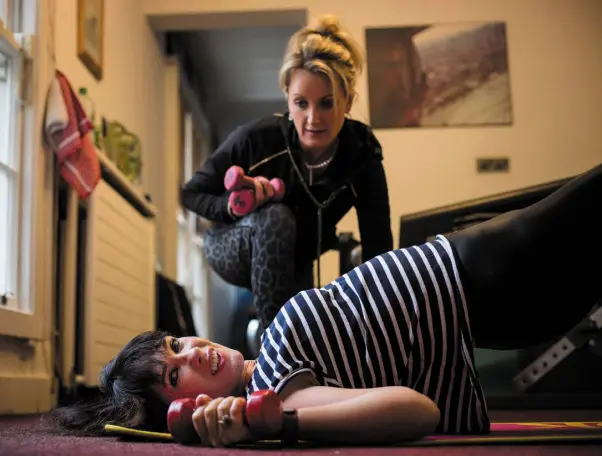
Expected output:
(258, 253)
(531, 275)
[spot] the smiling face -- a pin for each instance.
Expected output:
(311, 102)
(196, 366)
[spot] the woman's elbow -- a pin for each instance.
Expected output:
(424, 418)
(431, 416)
(187, 196)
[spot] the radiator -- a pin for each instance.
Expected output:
(106, 276)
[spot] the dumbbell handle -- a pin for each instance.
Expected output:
(262, 413)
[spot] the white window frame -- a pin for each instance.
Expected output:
(192, 269)
(34, 224)
(186, 221)
(12, 49)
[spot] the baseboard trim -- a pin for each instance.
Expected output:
(20, 395)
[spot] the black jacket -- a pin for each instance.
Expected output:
(268, 147)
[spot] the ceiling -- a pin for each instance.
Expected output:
(239, 64)
(237, 70)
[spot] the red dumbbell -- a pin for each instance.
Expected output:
(235, 179)
(262, 414)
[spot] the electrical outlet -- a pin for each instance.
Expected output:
(493, 165)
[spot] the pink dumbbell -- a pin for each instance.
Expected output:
(242, 201)
(278, 186)
(235, 178)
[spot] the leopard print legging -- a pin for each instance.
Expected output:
(258, 253)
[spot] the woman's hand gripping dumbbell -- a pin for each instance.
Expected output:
(249, 193)
(262, 414)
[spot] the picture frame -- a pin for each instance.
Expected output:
(90, 35)
(431, 75)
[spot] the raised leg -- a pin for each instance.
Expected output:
(531, 275)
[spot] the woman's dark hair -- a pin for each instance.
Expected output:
(127, 392)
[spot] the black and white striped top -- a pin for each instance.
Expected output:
(398, 319)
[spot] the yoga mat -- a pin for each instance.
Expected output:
(137, 433)
(522, 433)
(501, 433)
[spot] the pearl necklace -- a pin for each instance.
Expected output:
(320, 165)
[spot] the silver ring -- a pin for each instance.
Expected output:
(225, 421)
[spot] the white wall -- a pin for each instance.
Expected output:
(555, 70)
(131, 91)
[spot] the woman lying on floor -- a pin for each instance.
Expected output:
(385, 352)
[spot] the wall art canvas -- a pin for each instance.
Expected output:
(438, 75)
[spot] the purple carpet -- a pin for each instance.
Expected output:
(27, 436)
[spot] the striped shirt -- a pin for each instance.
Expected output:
(398, 319)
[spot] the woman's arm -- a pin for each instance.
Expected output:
(328, 415)
(367, 416)
(205, 194)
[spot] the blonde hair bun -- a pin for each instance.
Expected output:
(326, 48)
(327, 24)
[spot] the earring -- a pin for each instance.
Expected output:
(290, 117)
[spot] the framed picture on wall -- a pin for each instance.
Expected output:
(439, 75)
(90, 35)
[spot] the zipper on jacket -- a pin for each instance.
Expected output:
(353, 190)
(267, 159)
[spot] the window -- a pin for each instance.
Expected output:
(192, 269)
(10, 157)
(21, 104)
